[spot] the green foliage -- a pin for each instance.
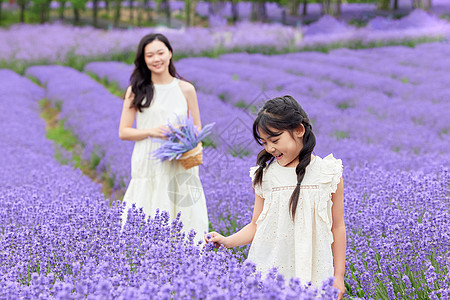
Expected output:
(383, 4)
(127, 57)
(47, 112)
(62, 136)
(443, 132)
(340, 135)
(358, 22)
(75, 61)
(11, 17)
(111, 86)
(109, 180)
(38, 5)
(239, 151)
(360, 45)
(37, 82)
(343, 105)
(95, 160)
(78, 4)
(339, 83)
(241, 104)
(222, 96)
(58, 105)
(209, 142)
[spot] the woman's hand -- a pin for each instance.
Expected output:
(158, 132)
(339, 284)
(216, 238)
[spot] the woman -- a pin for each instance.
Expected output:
(158, 95)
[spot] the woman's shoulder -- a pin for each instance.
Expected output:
(185, 86)
(188, 90)
(129, 95)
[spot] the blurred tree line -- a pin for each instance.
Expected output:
(143, 12)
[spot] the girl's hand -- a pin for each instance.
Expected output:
(158, 132)
(339, 284)
(216, 238)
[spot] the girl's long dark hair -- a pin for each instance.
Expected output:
(141, 78)
(280, 114)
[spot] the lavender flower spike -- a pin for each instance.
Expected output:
(181, 138)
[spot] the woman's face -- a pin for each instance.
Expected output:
(157, 57)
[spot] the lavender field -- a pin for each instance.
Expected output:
(383, 111)
(75, 46)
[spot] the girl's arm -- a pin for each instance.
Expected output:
(126, 130)
(243, 236)
(191, 97)
(340, 238)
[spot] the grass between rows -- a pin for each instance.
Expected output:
(69, 150)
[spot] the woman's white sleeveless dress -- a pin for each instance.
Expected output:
(165, 185)
(301, 248)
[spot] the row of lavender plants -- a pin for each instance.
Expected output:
(92, 114)
(350, 97)
(342, 105)
(381, 110)
(59, 238)
(74, 46)
(368, 97)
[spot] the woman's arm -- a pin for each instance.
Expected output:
(243, 236)
(191, 97)
(340, 238)
(126, 130)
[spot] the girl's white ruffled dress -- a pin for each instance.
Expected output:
(165, 185)
(301, 248)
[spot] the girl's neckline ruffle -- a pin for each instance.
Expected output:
(311, 164)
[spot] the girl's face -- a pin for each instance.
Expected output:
(285, 147)
(157, 57)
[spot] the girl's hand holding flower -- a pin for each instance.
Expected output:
(339, 284)
(216, 238)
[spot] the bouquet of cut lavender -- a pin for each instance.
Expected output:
(183, 143)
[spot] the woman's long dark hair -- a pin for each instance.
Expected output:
(280, 114)
(141, 78)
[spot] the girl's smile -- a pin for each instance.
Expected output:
(284, 146)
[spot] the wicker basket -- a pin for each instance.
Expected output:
(193, 157)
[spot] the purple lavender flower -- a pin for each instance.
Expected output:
(181, 138)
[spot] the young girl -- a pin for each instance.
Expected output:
(155, 97)
(298, 217)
